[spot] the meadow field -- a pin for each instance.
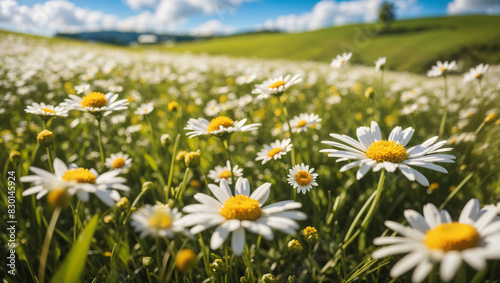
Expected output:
(143, 165)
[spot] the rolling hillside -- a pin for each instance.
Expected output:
(410, 45)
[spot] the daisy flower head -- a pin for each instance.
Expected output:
(275, 86)
(442, 68)
(46, 110)
(302, 178)
(241, 80)
(370, 151)
(219, 126)
(224, 172)
(476, 73)
(380, 63)
(118, 161)
(78, 180)
(144, 109)
(82, 88)
(239, 212)
(435, 238)
(303, 121)
(157, 220)
(275, 150)
(96, 103)
(341, 60)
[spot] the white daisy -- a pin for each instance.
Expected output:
(144, 109)
(372, 152)
(302, 178)
(218, 126)
(80, 181)
(303, 121)
(96, 102)
(82, 88)
(157, 220)
(224, 172)
(235, 213)
(118, 161)
(275, 150)
(380, 63)
(476, 73)
(442, 68)
(341, 60)
(275, 86)
(434, 238)
(43, 109)
(241, 80)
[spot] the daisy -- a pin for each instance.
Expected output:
(241, 80)
(96, 102)
(275, 86)
(235, 213)
(82, 88)
(43, 109)
(372, 152)
(218, 126)
(380, 63)
(434, 238)
(442, 68)
(78, 180)
(303, 121)
(157, 220)
(275, 150)
(476, 73)
(341, 60)
(144, 109)
(224, 172)
(302, 178)
(118, 161)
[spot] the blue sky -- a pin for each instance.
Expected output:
(214, 16)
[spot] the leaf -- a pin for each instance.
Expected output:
(151, 161)
(72, 267)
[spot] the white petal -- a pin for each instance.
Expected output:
(238, 241)
(262, 193)
(474, 259)
(406, 263)
(422, 270)
(362, 171)
(218, 237)
(469, 212)
(449, 265)
(219, 192)
(416, 220)
(393, 249)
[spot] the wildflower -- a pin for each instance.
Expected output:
(158, 220)
(192, 159)
(224, 172)
(275, 86)
(96, 103)
(118, 161)
(165, 140)
(310, 234)
(15, 157)
(476, 73)
(442, 68)
(82, 88)
(370, 93)
(241, 80)
(380, 63)
(372, 152)
(144, 109)
(275, 150)
(45, 138)
(434, 238)
(341, 60)
(46, 110)
(185, 260)
(180, 155)
(219, 126)
(294, 246)
(235, 213)
(172, 106)
(302, 178)
(303, 121)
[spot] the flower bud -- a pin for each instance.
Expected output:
(166, 140)
(294, 246)
(146, 186)
(310, 234)
(45, 137)
(15, 157)
(192, 159)
(370, 93)
(185, 260)
(180, 155)
(172, 106)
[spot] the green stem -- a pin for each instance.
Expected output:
(445, 111)
(99, 136)
(358, 216)
(49, 159)
(178, 196)
(225, 141)
(375, 202)
(285, 112)
(455, 191)
(171, 170)
(157, 247)
(46, 243)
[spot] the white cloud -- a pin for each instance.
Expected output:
(327, 13)
(473, 6)
(138, 4)
(212, 27)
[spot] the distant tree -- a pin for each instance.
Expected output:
(386, 14)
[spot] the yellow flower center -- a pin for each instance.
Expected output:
(274, 151)
(241, 207)
(381, 151)
(277, 84)
(215, 123)
(479, 75)
(118, 163)
(442, 69)
(81, 175)
(303, 178)
(94, 99)
(46, 110)
(226, 174)
(302, 123)
(161, 220)
(452, 237)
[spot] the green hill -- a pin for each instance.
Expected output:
(410, 45)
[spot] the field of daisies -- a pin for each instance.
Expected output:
(131, 165)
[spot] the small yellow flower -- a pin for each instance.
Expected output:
(433, 186)
(180, 155)
(358, 116)
(122, 203)
(185, 260)
(490, 117)
(294, 246)
(45, 137)
(192, 159)
(310, 234)
(15, 157)
(370, 93)
(107, 219)
(172, 106)
(108, 254)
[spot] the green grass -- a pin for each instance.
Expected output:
(410, 45)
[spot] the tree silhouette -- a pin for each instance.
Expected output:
(386, 14)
